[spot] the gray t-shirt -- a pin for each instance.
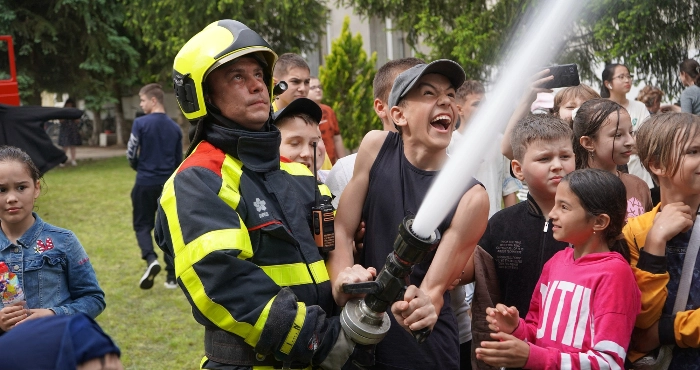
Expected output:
(690, 100)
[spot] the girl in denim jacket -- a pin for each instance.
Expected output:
(51, 265)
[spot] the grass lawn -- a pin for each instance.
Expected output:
(154, 328)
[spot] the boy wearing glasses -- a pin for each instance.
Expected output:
(330, 132)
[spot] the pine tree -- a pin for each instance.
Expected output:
(347, 84)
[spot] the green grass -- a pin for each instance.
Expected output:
(154, 328)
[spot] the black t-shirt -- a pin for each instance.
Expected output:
(520, 240)
(396, 189)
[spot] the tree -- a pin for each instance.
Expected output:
(164, 26)
(651, 36)
(347, 78)
(72, 46)
(471, 32)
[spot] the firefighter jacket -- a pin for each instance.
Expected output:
(236, 221)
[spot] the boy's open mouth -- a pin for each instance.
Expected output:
(441, 122)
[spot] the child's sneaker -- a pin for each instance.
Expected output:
(73, 163)
(170, 283)
(151, 271)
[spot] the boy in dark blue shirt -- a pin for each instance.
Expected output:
(154, 151)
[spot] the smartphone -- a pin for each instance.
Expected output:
(564, 75)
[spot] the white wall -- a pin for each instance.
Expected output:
(130, 104)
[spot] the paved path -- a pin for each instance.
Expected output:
(95, 152)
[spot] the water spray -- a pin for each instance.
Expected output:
(365, 320)
(541, 41)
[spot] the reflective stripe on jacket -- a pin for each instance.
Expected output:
(238, 236)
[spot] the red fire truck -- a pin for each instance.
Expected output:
(9, 91)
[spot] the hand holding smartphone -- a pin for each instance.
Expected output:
(564, 75)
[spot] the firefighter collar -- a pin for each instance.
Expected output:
(258, 150)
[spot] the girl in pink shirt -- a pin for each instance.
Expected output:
(583, 313)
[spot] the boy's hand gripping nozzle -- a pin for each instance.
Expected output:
(365, 320)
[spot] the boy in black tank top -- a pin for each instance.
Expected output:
(391, 178)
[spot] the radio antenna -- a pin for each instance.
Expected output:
(318, 199)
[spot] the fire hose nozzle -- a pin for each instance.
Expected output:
(366, 320)
(368, 287)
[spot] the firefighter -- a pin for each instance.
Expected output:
(236, 219)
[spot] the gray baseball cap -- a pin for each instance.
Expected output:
(405, 81)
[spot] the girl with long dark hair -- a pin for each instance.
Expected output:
(583, 313)
(603, 140)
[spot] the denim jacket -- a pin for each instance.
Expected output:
(53, 270)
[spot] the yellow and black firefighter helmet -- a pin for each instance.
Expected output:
(218, 43)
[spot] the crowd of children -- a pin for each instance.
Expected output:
(567, 296)
(586, 273)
